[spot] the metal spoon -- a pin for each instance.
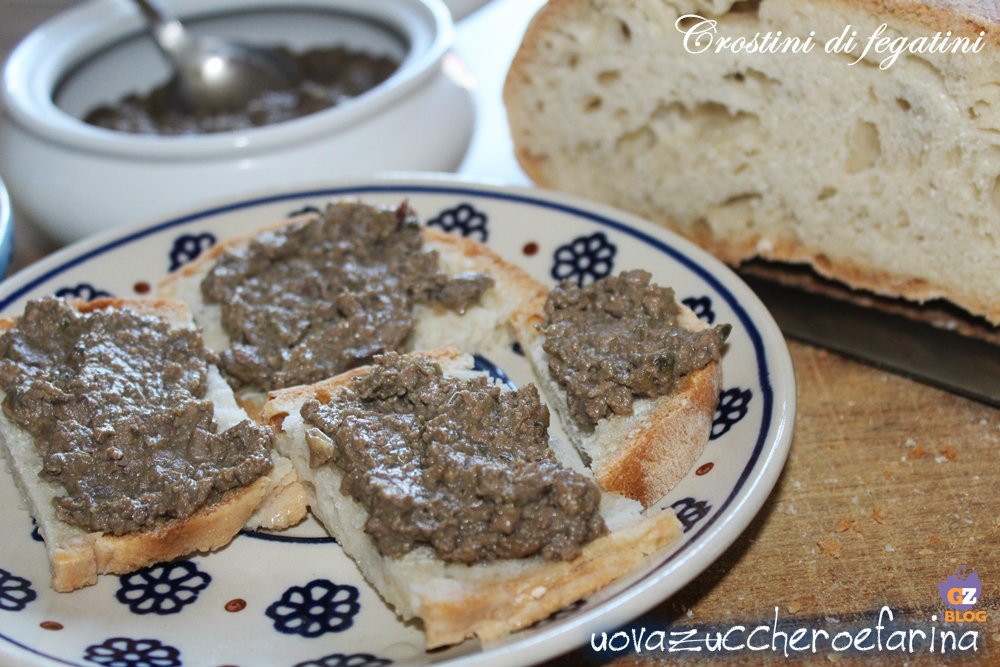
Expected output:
(212, 75)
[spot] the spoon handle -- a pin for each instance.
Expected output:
(167, 31)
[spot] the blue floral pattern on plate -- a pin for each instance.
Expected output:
(188, 247)
(484, 364)
(15, 592)
(162, 589)
(347, 660)
(319, 607)
(464, 219)
(585, 259)
(690, 511)
(733, 406)
(702, 307)
(84, 291)
(125, 652)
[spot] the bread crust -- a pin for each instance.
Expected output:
(77, 560)
(962, 17)
(667, 442)
(848, 273)
(500, 603)
(494, 609)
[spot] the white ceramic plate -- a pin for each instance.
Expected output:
(295, 599)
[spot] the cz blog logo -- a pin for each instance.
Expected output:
(960, 592)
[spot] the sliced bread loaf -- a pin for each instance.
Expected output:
(887, 179)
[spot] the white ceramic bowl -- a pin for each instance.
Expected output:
(73, 179)
(6, 230)
(462, 8)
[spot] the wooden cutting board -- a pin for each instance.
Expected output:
(889, 487)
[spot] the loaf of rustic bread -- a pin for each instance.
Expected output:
(884, 177)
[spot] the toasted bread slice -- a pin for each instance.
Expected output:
(482, 325)
(77, 556)
(456, 601)
(645, 454)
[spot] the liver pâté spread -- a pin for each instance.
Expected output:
(115, 402)
(618, 339)
(455, 464)
(327, 77)
(321, 296)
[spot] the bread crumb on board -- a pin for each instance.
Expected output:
(946, 451)
(844, 524)
(879, 515)
(829, 547)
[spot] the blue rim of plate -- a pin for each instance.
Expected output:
(511, 196)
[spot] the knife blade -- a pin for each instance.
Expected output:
(918, 350)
